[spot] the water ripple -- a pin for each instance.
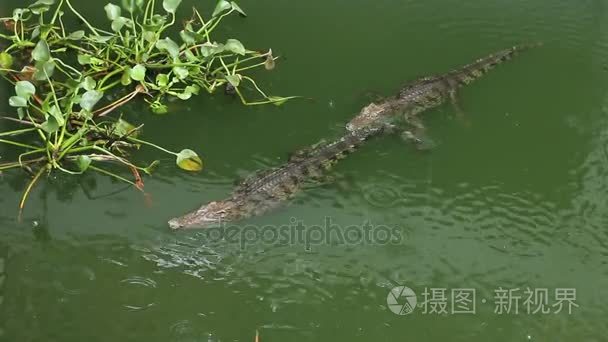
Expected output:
(141, 281)
(180, 328)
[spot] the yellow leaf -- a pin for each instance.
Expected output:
(188, 160)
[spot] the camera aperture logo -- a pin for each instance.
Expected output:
(401, 300)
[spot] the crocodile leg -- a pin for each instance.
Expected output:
(417, 134)
(459, 112)
(455, 103)
(390, 128)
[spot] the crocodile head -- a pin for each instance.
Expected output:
(209, 215)
(370, 115)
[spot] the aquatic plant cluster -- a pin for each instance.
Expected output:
(69, 84)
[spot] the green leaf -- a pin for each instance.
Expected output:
(43, 70)
(171, 5)
(235, 46)
(17, 101)
(25, 89)
(100, 39)
(89, 83)
(155, 23)
(35, 32)
(44, 30)
(188, 37)
(41, 6)
(180, 72)
(132, 5)
(38, 8)
(194, 89)
(184, 96)
(235, 80)
(72, 84)
(112, 11)
(6, 60)
(50, 126)
(123, 127)
(237, 8)
(168, 45)
(188, 92)
(76, 35)
(138, 73)
(41, 52)
(119, 23)
(188, 160)
(89, 99)
(221, 6)
(55, 112)
(84, 59)
(209, 49)
(88, 59)
(149, 36)
(162, 80)
(83, 162)
(46, 104)
(158, 108)
(19, 12)
(190, 56)
(125, 79)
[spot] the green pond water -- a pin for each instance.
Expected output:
(512, 198)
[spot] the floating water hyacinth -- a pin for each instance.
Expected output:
(63, 80)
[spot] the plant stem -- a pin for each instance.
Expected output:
(110, 74)
(256, 86)
(117, 158)
(56, 12)
(82, 18)
(139, 141)
(29, 187)
(254, 65)
(107, 109)
(108, 173)
(17, 132)
(67, 66)
(17, 144)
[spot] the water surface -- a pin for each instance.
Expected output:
(512, 197)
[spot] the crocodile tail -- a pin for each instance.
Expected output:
(344, 146)
(475, 70)
(339, 149)
(329, 154)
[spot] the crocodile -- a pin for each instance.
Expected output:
(426, 93)
(268, 189)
